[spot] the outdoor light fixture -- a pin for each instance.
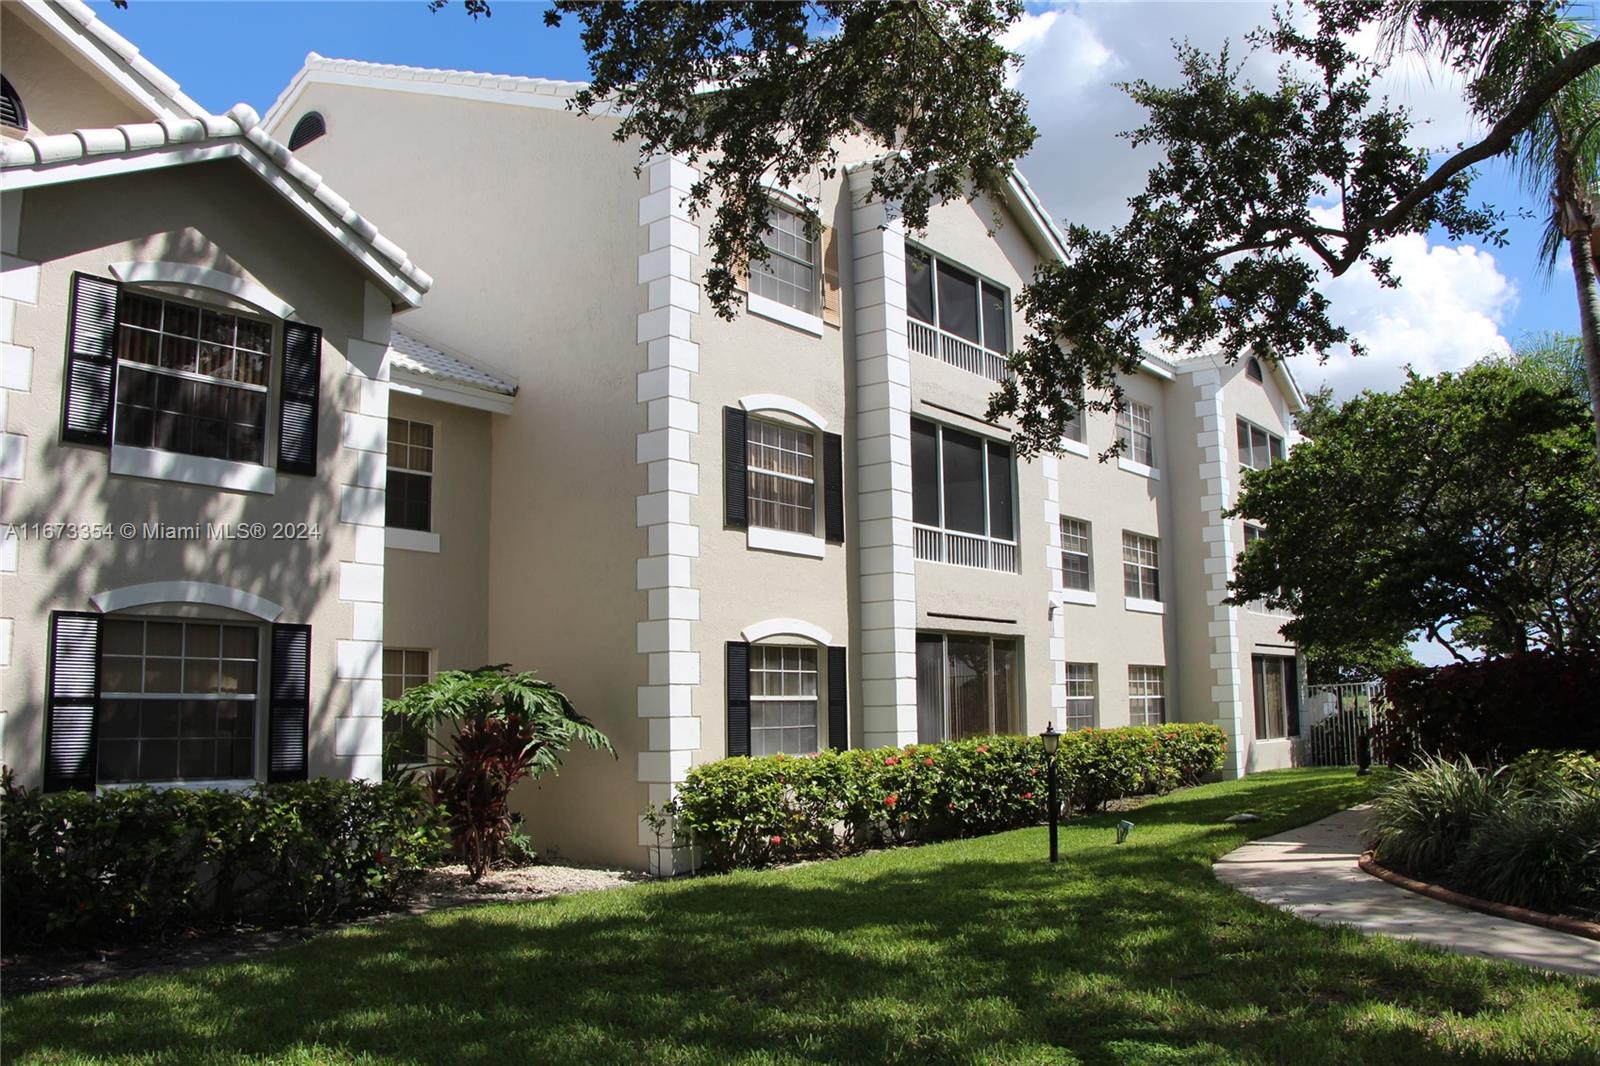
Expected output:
(1051, 740)
(1123, 829)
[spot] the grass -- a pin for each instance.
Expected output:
(973, 951)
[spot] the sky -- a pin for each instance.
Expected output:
(1457, 302)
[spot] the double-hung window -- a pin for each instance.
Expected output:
(783, 700)
(1077, 566)
(957, 316)
(967, 686)
(1073, 430)
(1147, 698)
(408, 500)
(963, 498)
(789, 273)
(177, 700)
(1253, 533)
(404, 669)
(1082, 694)
(192, 379)
(1135, 430)
(1258, 449)
(1277, 693)
(782, 467)
(1141, 567)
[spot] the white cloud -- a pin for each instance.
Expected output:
(1453, 300)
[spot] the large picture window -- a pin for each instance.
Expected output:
(1258, 449)
(1082, 695)
(1135, 429)
(966, 686)
(1147, 695)
(191, 379)
(408, 500)
(962, 498)
(1277, 696)
(789, 273)
(783, 700)
(177, 700)
(1077, 565)
(783, 477)
(1141, 567)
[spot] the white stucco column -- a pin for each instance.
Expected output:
(888, 600)
(1222, 628)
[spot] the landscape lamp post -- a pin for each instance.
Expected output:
(1051, 740)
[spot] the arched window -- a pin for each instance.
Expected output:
(12, 114)
(1252, 369)
(309, 128)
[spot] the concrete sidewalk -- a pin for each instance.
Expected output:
(1312, 872)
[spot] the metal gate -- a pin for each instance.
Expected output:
(1336, 717)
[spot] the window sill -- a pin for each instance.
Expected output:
(1132, 603)
(226, 784)
(789, 316)
(410, 540)
(192, 469)
(1082, 597)
(777, 540)
(1139, 468)
(1075, 447)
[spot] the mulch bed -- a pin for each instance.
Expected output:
(444, 888)
(1560, 922)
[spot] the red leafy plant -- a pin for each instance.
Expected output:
(504, 726)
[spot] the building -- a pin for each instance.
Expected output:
(793, 530)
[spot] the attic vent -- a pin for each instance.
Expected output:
(1252, 369)
(12, 113)
(308, 129)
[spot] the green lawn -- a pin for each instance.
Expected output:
(974, 951)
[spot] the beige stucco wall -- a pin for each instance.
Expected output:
(220, 216)
(439, 600)
(57, 92)
(528, 221)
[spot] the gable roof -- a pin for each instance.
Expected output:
(182, 132)
(440, 375)
(1210, 355)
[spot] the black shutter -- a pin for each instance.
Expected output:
(289, 707)
(297, 415)
(91, 377)
(735, 469)
(738, 699)
(838, 701)
(1291, 691)
(833, 486)
(73, 700)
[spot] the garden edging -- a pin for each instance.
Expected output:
(1560, 923)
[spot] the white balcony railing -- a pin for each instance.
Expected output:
(963, 549)
(957, 351)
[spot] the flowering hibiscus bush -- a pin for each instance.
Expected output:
(751, 812)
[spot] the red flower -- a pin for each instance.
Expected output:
(891, 799)
(928, 761)
(893, 760)
(1027, 795)
(983, 747)
(775, 841)
(949, 806)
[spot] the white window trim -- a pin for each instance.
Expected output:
(1075, 447)
(1082, 597)
(169, 273)
(1132, 603)
(1153, 473)
(760, 538)
(788, 316)
(221, 784)
(771, 401)
(410, 540)
(186, 592)
(763, 631)
(130, 461)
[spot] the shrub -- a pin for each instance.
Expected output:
(503, 727)
(1493, 710)
(134, 864)
(1539, 850)
(1425, 816)
(750, 812)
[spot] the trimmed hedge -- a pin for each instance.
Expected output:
(134, 864)
(751, 812)
(1492, 710)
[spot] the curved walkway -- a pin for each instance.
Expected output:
(1312, 872)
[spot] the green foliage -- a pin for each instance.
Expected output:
(751, 812)
(503, 726)
(763, 95)
(1467, 500)
(1526, 833)
(137, 863)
